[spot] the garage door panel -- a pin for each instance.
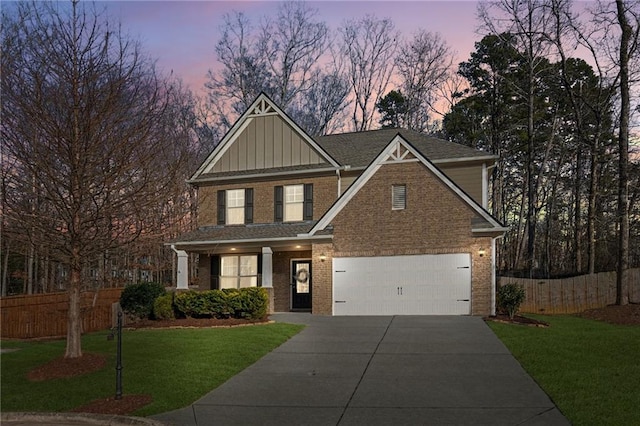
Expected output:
(402, 285)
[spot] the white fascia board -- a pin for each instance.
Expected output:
(299, 237)
(489, 157)
(264, 175)
(373, 168)
(502, 229)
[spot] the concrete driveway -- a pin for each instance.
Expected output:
(401, 370)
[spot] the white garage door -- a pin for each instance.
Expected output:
(402, 285)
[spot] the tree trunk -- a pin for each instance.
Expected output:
(622, 296)
(74, 323)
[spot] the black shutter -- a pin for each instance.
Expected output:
(278, 195)
(248, 205)
(221, 207)
(307, 211)
(215, 272)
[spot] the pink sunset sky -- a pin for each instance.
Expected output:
(182, 35)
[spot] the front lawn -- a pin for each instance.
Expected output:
(174, 366)
(590, 369)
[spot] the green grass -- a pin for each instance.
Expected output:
(590, 369)
(175, 367)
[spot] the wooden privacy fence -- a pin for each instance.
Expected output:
(572, 295)
(45, 315)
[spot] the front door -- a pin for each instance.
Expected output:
(301, 285)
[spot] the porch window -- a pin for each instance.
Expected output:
(238, 271)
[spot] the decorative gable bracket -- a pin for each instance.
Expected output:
(399, 154)
(262, 108)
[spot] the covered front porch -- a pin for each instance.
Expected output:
(296, 271)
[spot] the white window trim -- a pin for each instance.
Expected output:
(287, 205)
(235, 209)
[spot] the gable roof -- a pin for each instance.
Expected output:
(358, 149)
(261, 106)
(399, 149)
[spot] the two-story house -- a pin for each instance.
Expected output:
(383, 222)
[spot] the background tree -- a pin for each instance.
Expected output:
(98, 158)
(369, 46)
(393, 110)
(424, 64)
(282, 58)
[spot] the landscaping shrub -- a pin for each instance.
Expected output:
(218, 304)
(137, 299)
(190, 304)
(248, 303)
(254, 303)
(163, 307)
(509, 299)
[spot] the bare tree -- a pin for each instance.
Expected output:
(292, 45)
(424, 65)
(282, 58)
(369, 45)
(85, 118)
(244, 72)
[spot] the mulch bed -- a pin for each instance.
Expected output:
(127, 404)
(193, 323)
(61, 368)
(517, 319)
(614, 314)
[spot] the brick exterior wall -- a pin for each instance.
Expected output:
(322, 279)
(435, 221)
(325, 193)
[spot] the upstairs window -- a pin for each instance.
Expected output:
(293, 203)
(235, 206)
(398, 197)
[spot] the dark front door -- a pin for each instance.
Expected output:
(301, 285)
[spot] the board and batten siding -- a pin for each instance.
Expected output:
(468, 178)
(265, 143)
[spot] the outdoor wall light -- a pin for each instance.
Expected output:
(481, 252)
(323, 257)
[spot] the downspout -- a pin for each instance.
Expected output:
(339, 182)
(182, 279)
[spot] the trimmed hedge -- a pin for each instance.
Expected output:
(163, 307)
(138, 299)
(248, 303)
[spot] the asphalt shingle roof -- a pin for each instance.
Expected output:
(261, 231)
(358, 149)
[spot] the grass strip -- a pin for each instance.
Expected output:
(590, 369)
(174, 366)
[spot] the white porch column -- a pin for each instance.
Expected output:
(182, 278)
(267, 267)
